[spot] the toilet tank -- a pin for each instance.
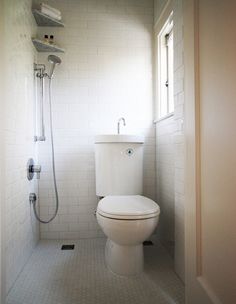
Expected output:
(119, 165)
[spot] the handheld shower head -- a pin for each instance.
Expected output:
(55, 60)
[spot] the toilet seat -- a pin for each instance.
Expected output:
(128, 207)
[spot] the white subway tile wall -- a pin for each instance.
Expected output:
(179, 138)
(106, 73)
(165, 162)
(21, 233)
(171, 151)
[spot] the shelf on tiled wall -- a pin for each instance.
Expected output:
(42, 46)
(45, 20)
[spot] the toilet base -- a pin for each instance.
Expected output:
(124, 260)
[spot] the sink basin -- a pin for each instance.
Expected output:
(119, 138)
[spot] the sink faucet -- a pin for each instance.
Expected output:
(118, 124)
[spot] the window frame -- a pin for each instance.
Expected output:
(159, 28)
(170, 71)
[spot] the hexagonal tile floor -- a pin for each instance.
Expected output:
(80, 276)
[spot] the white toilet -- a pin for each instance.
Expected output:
(126, 217)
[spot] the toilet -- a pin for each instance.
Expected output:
(126, 217)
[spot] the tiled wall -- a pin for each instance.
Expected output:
(179, 138)
(21, 231)
(106, 73)
(159, 5)
(170, 157)
(165, 158)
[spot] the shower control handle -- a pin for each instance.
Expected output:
(32, 169)
(36, 169)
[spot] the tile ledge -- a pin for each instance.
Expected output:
(163, 118)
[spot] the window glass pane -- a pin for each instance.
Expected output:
(165, 70)
(170, 74)
(163, 78)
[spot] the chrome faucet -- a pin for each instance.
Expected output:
(118, 124)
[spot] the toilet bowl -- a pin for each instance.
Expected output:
(127, 221)
(126, 217)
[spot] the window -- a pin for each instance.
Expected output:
(165, 69)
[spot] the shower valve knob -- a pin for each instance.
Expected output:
(32, 169)
(37, 169)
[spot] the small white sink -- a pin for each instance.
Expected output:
(119, 138)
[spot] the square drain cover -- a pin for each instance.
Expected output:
(147, 243)
(68, 247)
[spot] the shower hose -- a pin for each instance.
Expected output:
(53, 162)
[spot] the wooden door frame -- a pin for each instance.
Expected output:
(197, 289)
(2, 149)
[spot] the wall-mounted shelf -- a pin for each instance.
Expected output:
(45, 20)
(42, 46)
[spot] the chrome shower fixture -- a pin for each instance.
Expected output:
(40, 70)
(55, 60)
(40, 73)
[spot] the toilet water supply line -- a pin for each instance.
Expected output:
(54, 60)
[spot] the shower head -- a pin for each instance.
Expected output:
(54, 60)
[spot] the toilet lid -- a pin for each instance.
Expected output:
(128, 207)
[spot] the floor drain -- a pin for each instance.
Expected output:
(68, 247)
(147, 243)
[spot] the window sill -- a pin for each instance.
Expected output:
(163, 118)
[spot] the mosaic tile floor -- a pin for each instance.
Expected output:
(53, 276)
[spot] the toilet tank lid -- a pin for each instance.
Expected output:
(128, 205)
(119, 138)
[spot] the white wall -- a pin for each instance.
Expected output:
(171, 150)
(21, 231)
(165, 162)
(106, 73)
(159, 5)
(179, 138)
(210, 107)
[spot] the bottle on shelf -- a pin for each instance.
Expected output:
(46, 39)
(51, 39)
